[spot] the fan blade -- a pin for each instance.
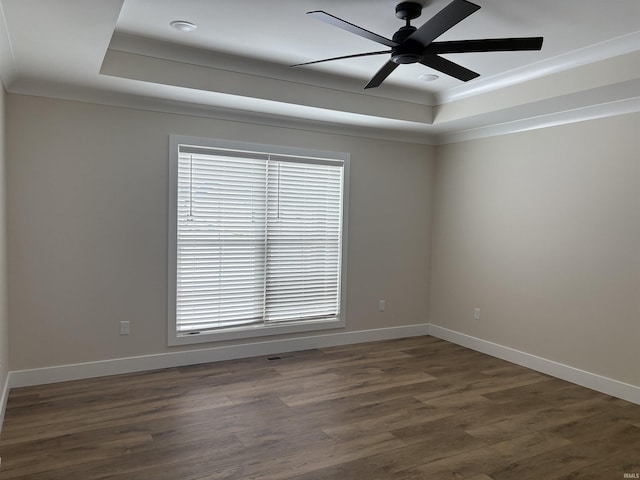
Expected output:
(487, 45)
(350, 27)
(442, 21)
(382, 74)
(446, 66)
(340, 58)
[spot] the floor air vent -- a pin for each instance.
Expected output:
(280, 357)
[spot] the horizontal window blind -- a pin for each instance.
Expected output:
(303, 241)
(258, 239)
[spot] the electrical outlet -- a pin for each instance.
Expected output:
(381, 305)
(476, 314)
(124, 327)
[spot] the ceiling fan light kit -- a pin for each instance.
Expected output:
(416, 45)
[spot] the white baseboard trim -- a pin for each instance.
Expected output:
(583, 378)
(63, 373)
(4, 398)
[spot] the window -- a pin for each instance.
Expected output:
(257, 240)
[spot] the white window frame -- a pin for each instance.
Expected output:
(174, 338)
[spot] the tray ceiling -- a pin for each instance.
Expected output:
(235, 64)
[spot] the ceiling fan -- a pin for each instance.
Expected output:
(416, 45)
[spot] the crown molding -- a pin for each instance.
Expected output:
(576, 58)
(582, 114)
(158, 49)
(405, 132)
(265, 92)
(8, 67)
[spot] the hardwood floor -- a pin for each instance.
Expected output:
(417, 408)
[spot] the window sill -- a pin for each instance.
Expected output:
(253, 332)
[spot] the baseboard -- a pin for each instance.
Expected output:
(590, 380)
(62, 373)
(4, 398)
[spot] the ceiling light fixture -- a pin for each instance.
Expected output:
(428, 77)
(183, 26)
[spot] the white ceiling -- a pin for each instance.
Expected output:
(235, 64)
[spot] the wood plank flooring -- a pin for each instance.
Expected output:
(410, 409)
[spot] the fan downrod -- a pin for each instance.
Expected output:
(406, 53)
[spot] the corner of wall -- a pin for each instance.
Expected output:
(4, 322)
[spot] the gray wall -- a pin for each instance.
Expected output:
(541, 231)
(87, 227)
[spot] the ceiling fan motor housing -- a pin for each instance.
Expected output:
(406, 51)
